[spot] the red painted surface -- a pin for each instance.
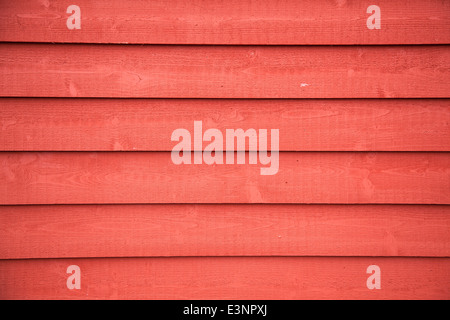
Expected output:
(364, 167)
(74, 231)
(261, 22)
(227, 278)
(147, 124)
(119, 71)
(151, 177)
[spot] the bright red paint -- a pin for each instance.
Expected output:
(333, 207)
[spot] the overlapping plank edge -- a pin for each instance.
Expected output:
(159, 71)
(77, 231)
(152, 177)
(288, 22)
(68, 124)
(235, 278)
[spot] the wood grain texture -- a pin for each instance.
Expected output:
(151, 177)
(234, 278)
(69, 70)
(56, 124)
(141, 227)
(232, 22)
(76, 231)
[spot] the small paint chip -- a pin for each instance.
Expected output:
(304, 84)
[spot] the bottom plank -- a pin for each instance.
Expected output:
(226, 278)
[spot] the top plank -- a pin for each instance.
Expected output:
(237, 22)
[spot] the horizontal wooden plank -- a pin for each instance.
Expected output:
(233, 22)
(77, 231)
(152, 177)
(231, 278)
(74, 70)
(42, 124)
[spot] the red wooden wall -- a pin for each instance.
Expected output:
(86, 117)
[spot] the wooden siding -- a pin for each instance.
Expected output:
(77, 231)
(42, 124)
(151, 177)
(69, 70)
(235, 22)
(226, 278)
(86, 176)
